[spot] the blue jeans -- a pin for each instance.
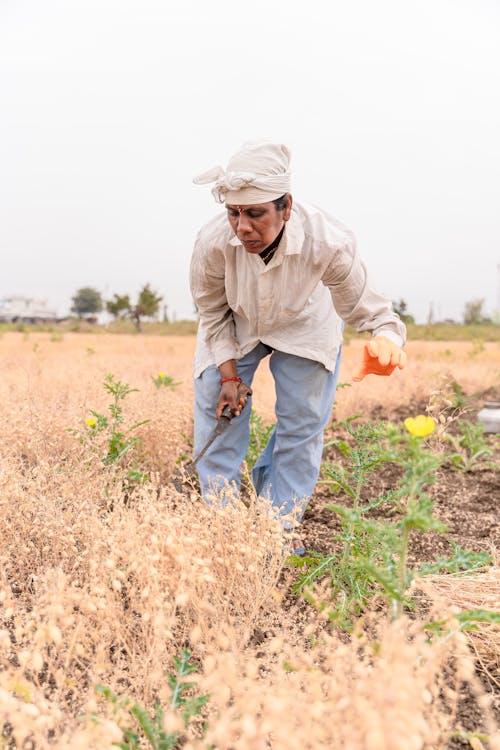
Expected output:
(287, 469)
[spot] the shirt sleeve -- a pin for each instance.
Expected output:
(355, 300)
(207, 280)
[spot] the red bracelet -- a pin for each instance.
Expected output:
(228, 380)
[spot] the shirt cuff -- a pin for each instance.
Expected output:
(224, 350)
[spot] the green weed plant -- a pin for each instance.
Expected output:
(162, 380)
(259, 437)
(373, 557)
(477, 347)
(120, 440)
(471, 448)
(462, 560)
(467, 619)
(146, 728)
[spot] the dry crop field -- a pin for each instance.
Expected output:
(133, 616)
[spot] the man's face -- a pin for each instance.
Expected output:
(257, 226)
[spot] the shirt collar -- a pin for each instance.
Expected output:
(293, 236)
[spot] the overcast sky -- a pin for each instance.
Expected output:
(108, 108)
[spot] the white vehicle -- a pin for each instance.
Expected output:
(17, 309)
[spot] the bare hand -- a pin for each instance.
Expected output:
(234, 395)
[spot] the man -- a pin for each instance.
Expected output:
(273, 278)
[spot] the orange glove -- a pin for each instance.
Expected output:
(381, 356)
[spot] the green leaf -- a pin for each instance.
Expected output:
(145, 723)
(461, 560)
(319, 569)
(469, 616)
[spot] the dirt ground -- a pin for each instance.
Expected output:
(467, 502)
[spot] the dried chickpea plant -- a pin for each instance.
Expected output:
(106, 578)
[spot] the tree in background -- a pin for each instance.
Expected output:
(473, 311)
(401, 308)
(119, 306)
(147, 305)
(86, 301)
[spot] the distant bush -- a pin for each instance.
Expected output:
(432, 332)
(454, 332)
(179, 328)
(74, 325)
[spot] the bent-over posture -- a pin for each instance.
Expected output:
(275, 278)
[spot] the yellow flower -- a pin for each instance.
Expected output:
(91, 422)
(420, 426)
(161, 375)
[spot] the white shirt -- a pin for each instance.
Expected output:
(294, 304)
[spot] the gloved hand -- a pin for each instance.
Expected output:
(381, 356)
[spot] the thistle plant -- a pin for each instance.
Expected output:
(374, 551)
(162, 380)
(413, 503)
(365, 455)
(259, 436)
(471, 448)
(119, 440)
(468, 620)
(461, 560)
(477, 347)
(149, 728)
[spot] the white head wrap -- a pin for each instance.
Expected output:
(258, 173)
